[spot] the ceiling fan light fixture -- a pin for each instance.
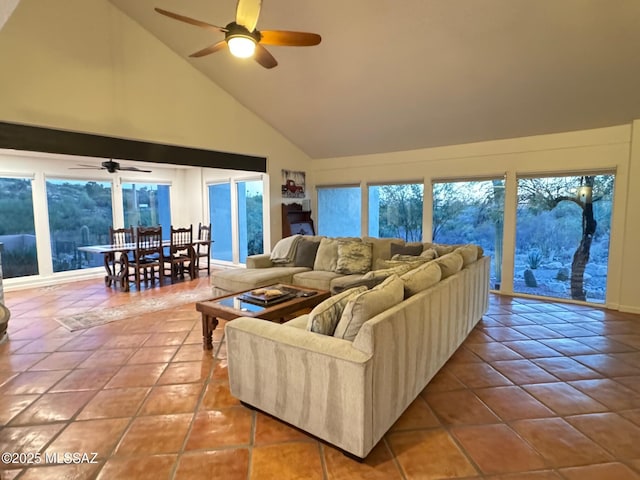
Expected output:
(241, 46)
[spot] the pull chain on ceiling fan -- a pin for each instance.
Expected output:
(242, 38)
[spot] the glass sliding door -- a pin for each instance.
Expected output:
(236, 213)
(220, 216)
(339, 211)
(563, 227)
(17, 228)
(147, 204)
(80, 213)
(471, 212)
(396, 211)
(249, 194)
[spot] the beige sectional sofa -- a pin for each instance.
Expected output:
(349, 385)
(319, 269)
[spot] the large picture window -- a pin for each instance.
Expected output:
(17, 228)
(396, 211)
(563, 227)
(147, 205)
(339, 211)
(471, 212)
(80, 214)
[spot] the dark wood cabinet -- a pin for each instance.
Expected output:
(295, 220)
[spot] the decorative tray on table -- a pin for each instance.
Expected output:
(267, 296)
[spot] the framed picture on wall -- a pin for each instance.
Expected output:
(293, 184)
(302, 228)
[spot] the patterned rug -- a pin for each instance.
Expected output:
(100, 316)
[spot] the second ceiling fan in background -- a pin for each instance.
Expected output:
(243, 39)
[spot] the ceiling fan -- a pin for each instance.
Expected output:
(111, 167)
(243, 39)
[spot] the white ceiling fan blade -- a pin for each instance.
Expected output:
(247, 13)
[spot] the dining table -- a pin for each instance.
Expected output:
(117, 261)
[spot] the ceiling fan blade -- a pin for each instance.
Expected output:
(134, 169)
(264, 58)
(192, 21)
(84, 166)
(247, 13)
(210, 49)
(290, 39)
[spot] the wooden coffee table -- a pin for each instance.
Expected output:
(233, 306)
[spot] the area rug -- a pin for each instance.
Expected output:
(100, 316)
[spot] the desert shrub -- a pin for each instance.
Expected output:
(534, 259)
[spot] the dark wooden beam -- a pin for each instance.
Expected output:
(40, 139)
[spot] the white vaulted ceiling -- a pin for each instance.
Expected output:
(395, 75)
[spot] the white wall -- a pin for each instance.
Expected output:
(82, 65)
(589, 150)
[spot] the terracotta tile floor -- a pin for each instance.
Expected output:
(538, 391)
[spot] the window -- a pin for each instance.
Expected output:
(250, 218)
(563, 226)
(80, 213)
(236, 215)
(147, 204)
(471, 212)
(339, 211)
(396, 211)
(17, 229)
(220, 215)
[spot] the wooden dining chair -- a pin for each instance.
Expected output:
(148, 255)
(118, 264)
(203, 250)
(181, 257)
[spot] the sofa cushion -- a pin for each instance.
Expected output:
(239, 279)
(325, 316)
(421, 278)
(350, 281)
(450, 264)
(285, 250)
(469, 254)
(443, 249)
(381, 247)
(327, 255)
(353, 257)
(367, 305)
(315, 279)
(306, 253)
(406, 249)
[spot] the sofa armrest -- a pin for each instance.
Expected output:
(296, 340)
(262, 260)
(318, 383)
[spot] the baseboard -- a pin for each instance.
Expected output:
(23, 283)
(629, 309)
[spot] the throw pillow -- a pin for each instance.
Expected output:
(384, 264)
(429, 254)
(353, 257)
(450, 264)
(409, 258)
(421, 278)
(406, 249)
(469, 254)
(367, 305)
(443, 249)
(325, 316)
(383, 273)
(327, 255)
(306, 253)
